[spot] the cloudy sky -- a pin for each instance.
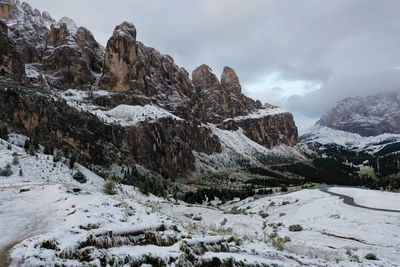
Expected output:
(303, 55)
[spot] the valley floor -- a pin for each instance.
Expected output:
(49, 219)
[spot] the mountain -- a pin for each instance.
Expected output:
(361, 135)
(127, 104)
(366, 116)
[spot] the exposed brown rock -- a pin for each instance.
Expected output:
(6, 10)
(204, 79)
(93, 53)
(59, 35)
(230, 81)
(268, 131)
(67, 69)
(120, 59)
(11, 64)
(165, 146)
(130, 66)
(29, 29)
(219, 101)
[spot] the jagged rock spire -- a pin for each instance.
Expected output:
(230, 81)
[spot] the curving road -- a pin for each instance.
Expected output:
(350, 201)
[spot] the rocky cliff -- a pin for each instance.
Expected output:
(131, 104)
(366, 116)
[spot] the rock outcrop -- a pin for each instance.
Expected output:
(366, 116)
(11, 64)
(220, 100)
(269, 130)
(130, 66)
(60, 55)
(55, 56)
(165, 145)
(28, 28)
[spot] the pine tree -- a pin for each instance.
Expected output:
(15, 160)
(72, 160)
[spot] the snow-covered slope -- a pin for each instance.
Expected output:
(62, 222)
(325, 136)
(259, 113)
(124, 115)
(238, 150)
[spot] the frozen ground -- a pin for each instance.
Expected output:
(52, 219)
(326, 136)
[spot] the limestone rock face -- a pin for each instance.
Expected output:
(217, 100)
(11, 64)
(204, 79)
(6, 10)
(58, 54)
(28, 28)
(130, 66)
(93, 52)
(120, 59)
(67, 69)
(165, 146)
(268, 131)
(230, 81)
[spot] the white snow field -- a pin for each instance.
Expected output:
(49, 219)
(124, 115)
(325, 136)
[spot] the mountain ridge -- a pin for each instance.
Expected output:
(125, 76)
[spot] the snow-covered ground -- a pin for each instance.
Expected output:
(260, 113)
(53, 220)
(371, 198)
(124, 115)
(238, 148)
(326, 136)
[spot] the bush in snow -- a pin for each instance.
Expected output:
(6, 171)
(80, 177)
(295, 228)
(58, 155)
(72, 160)
(4, 132)
(109, 186)
(15, 160)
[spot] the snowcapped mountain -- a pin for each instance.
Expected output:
(363, 133)
(366, 116)
(133, 104)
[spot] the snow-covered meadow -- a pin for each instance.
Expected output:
(48, 219)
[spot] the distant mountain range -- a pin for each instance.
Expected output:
(366, 116)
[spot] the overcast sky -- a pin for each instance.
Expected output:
(303, 55)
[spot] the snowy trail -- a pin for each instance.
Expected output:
(350, 201)
(25, 214)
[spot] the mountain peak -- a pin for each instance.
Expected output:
(366, 116)
(125, 29)
(230, 81)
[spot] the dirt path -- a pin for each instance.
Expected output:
(350, 201)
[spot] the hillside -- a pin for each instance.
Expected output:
(76, 224)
